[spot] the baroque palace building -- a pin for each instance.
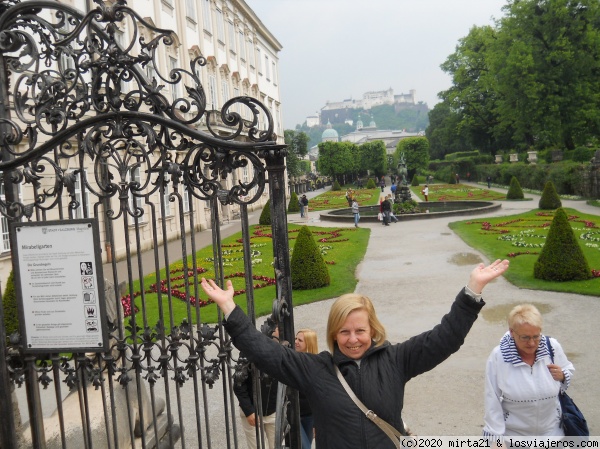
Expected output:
(242, 60)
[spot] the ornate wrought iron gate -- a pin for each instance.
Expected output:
(90, 127)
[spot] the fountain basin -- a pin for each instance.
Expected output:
(430, 209)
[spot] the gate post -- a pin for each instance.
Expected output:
(281, 252)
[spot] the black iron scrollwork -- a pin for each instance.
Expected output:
(84, 86)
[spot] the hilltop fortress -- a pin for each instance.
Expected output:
(341, 111)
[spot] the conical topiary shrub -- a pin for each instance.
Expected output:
(514, 191)
(561, 258)
(371, 184)
(309, 270)
(550, 199)
(415, 181)
(336, 186)
(9, 304)
(265, 216)
(294, 205)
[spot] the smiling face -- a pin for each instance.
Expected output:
(354, 337)
(300, 342)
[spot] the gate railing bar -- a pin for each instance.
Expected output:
(80, 361)
(164, 340)
(224, 341)
(276, 170)
(195, 351)
(124, 369)
(101, 360)
(58, 394)
(117, 333)
(257, 390)
(36, 419)
(173, 346)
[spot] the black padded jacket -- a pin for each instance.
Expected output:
(378, 381)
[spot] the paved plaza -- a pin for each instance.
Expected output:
(412, 271)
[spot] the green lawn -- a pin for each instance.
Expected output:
(337, 199)
(458, 192)
(342, 249)
(520, 238)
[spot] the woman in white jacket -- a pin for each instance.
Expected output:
(522, 383)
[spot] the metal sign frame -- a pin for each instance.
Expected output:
(59, 286)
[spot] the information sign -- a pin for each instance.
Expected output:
(59, 285)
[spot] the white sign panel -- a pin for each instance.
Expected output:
(61, 288)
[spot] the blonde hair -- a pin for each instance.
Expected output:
(524, 314)
(344, 306)
(310, 339)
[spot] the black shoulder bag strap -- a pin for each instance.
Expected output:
(389, 430)
(550, 348)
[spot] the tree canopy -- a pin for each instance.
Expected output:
(346, 159)
(416, 153)
(297, 142)
(530, 81)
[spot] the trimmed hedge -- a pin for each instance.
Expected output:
(9, 304)
(371, 184)
(308, 268)
(294, 205)
(549, 199)
(515, 192)
(265, 216)
(561, 258)
(568, 177)
(336, 186)
(415, 181)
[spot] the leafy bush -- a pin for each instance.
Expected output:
(583, 154)
(406, 207)
(294, 205)
(549, 199)
(415, 181)
(461, 154)
(371, 184)
(308, 268)
(336, 186)
(9, 304)
(265, 216)
(514, 191)
(561, 258)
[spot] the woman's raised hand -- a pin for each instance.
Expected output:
(481, 274)
(222, 298)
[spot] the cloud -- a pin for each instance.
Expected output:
(339, 49)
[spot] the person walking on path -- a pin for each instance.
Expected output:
(425, 192)
(392, 216)
(489, 182)
(303, 206)
(386, 209)
(356, 212)
(522, 380)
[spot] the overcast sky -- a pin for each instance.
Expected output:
(338, 49)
